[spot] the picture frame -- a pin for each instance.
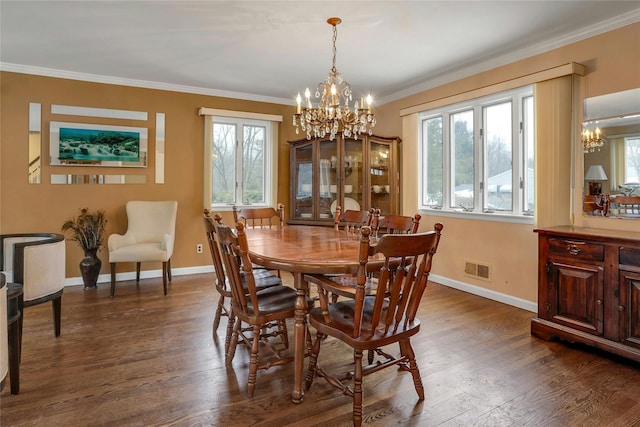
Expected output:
(83, 144)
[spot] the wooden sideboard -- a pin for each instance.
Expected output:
(589, 288)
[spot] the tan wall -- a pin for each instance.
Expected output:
(612, 60)
(613, 63)
(44, 207)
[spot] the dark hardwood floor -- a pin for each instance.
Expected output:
(143, 359)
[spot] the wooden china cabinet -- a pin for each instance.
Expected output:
(589, 288)
(356, 174)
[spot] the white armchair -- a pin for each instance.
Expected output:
(150, 237)
(37, 261)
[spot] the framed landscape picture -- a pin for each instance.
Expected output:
(81, 144)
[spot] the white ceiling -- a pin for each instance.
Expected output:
(270, 50)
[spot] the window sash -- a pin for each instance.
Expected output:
(238, 165)
(253, 157)
(433, 155)
(462, 192)
(631, 159)
(497, 140)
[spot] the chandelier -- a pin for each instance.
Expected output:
(592, 140)
(332, 113)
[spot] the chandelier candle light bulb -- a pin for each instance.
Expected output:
(331, 115)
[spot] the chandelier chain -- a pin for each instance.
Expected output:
(335, 37)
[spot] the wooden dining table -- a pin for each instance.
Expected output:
(302, 249)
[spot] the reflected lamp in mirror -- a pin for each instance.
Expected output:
(592, 139)
(595, 175)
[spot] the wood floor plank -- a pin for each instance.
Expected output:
(143, 359)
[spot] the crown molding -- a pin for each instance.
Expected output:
(95, 78)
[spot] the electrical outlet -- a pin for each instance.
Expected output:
(199, 248)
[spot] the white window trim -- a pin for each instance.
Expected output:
(516, 96)
(271, 156)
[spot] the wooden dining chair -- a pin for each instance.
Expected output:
(394, 224)
(369, 322)
(263, 279)
(260, 217)
(260, 309)
(351, 220)
(597, 204)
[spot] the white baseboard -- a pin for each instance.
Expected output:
(486, 293)
(146, 274)
(475, 290)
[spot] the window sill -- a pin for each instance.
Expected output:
(229, 207)
(478, 216)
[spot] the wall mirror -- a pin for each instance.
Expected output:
(611, 145)
(35, 118)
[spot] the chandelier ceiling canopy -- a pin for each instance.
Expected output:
(332, 113)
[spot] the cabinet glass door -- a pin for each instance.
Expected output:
(380, 179)
(328, 180)
(353, 186)
(303, 182)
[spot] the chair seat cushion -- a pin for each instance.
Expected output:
(277, 299)
(265, 279)
(340, 320)
(139, 252)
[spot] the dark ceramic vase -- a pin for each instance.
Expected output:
(90, 268)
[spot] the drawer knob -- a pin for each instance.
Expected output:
(599, 301)
(620, 308)
(573, 249)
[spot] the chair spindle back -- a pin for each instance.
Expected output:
(234, 250)
(400, 288)
(259, 217)
(352, 220)
(395, 224)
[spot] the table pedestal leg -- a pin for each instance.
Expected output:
(299, 336)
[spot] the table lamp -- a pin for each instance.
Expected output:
(595, 175)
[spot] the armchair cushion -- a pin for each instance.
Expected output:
(35, 260)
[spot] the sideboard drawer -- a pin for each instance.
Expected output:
(577, 249)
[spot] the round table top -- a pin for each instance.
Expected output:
(304, 248)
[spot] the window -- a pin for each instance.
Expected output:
(239, 160)
(241, 165)
(632, 159)
(477, 156)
